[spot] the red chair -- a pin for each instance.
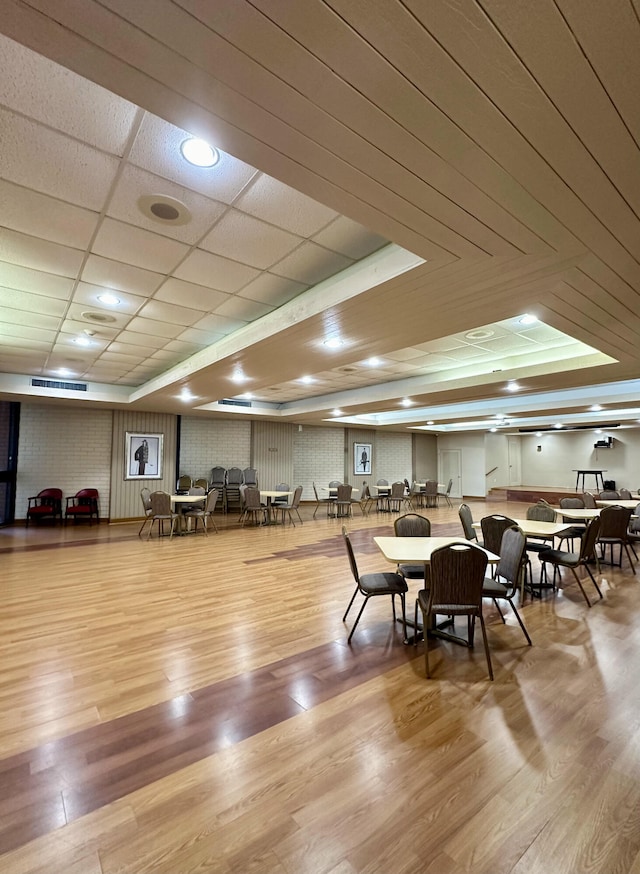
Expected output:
(48, 502)
(83, 505)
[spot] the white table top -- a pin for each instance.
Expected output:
(333, 490)
(418, 549)
(186, 499)
(535, 528)
(631, 505)
(272, 493)
(580, 513)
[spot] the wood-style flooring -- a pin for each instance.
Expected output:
(191, 705)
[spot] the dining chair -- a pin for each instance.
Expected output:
(507, 580)
(614, 531)
(184, 484)
(413, 525)
(466, 517)
(218, 481)
(535, 544)
(286, 509)
(162, 512)
(576, 529)
(397, 497)
(633, 529)
(373, 584)
(625, 495)
(589, 500)
(342, 502)
(609, 495)
(382, 495)
(83, 505)
(573, 560)
(201, 483)
(320, 501)
(145, 497)
(250, 476)
(457, 578)
(233, 481)
(365, 501)
(203, 514)
(283, 499)
(445, 494)
(431, 493)
(253, 507)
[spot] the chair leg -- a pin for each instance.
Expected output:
(593, 580)
(486, 644)
(495, 604)
(353, 597)
(520, 622)
(364, 604)
(579, 582)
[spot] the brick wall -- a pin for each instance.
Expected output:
(205, 443)
(318, 456)
(393, 456)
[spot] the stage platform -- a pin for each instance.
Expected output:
(531, 494)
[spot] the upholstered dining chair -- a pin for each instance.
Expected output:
(288, 509)
(446, 494)
(431, 493)
(625, 495)
(320, 501)
(203, 514)
(83, 505)
(609, 495)
(614, 531)
(397, 497)
(573, 560)
(466, 517)
(576, 530)
(506, 582)
(184, 484)
(145, 497)
(253, 507)
(373, 584)
(162, 512)
(457, 579)
(589, 500)
(343, 500)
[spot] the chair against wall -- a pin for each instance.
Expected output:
(506, 582)
(373, 584)
(145, 497)
(184, 484)
(161, 512)
(573, 560)
(218, 481)
(83, 505)
(47, 503)
(234, 480)
(456, 581)
(250, 476)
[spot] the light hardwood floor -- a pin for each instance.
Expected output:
(192, 706)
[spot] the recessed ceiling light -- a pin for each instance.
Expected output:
(336, 412)
(185, 395)
(238, 376)
(199, 153)
(558, 425)
(82, 341)
(598, 431)
(333, 343)
(109, 299)
(513, 386)
(527, 319)
(406, 402)
(63, 371)
(479, 334)
(246, 396)
(307, 379)
(493, 430)
(430, 423)
(374, 362)
(538, 433)
(595, 408)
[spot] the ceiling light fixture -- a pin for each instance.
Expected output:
(430, 423)
(374, 362)
(109, 299)
(238, 376)
(513, 386)
(406, 402)
(82, 341)
(558, 425)
(527, 319)
(199, 153)
(307, 379)
(333, 343)
(336, 412)
(595, 408)
(493, 430)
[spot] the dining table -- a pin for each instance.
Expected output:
(418, 550)
(185, 523)
(268, 495)
(630, 505)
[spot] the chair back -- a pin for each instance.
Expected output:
(212, 500)
(343, 494)
(250, 475)
(334, 484)
(352, 558)
(589, 501)
(634, 524)
(457, 577)
(145, 495)
(234, 476)
(449, 486)
(614, 522)
(365, 494)
(197, 490)
(609, 495)
(397, 491)
(412, 525)
(541, 512)
(315, 491)
(625, 495)
(466, 517)
(184, 483)
(588, 541)
(218, 477)
(511, 554)
(160, 503)
(50, 497)
(202, 483)
(281, 487)
(571, 503)
(431, 487)
(295, 502)
(407, 486)
(493, 527)
(252, 498)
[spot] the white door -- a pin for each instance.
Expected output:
(450, 468)
(515, 470)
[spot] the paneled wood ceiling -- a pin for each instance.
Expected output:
(410, 178)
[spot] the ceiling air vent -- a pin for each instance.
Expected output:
(232, 402)
(54, 383)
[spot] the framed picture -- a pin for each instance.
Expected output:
(361, 458)
(143, 454)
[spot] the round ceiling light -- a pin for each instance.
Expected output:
(480, 334)
(199, 153)
(164, 209)
(109, 299)
(102, 318)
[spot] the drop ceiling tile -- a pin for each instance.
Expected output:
(35, 281)
(51, 163)
(204, 268)
(79, 314)
(136, 246)
(13, 316)
(165, 356)
(41, 216)
(349, 238)
(466, 353)
(136, 339)
(36, 254)
(310, 264)
(157, 149)
(116, 276)
(446, 344)
(99, 372)
(199, 339)
(87, 295)
(32, 303)
(11, 332)
(241, 308)
(508, 344)
(154, 328)
(544, 334)
(219, 324)
(183, 347)
(136, 183)
(277, 203)
(274, 290)
(248, 240)
(109, 356)
(405, 354)
(61, 99)
(127, 346)
(168, 312)
(188, 294)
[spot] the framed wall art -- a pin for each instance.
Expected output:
(361, 458)
(143, 454)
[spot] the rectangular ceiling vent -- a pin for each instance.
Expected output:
(54, 383)
(233, 402)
